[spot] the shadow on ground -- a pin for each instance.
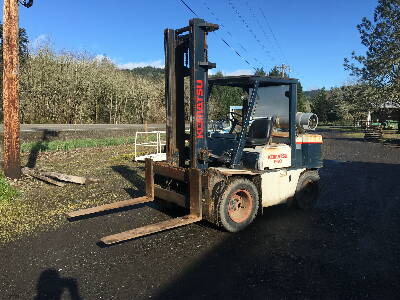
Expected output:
(347, 248)
(132, 176)
(39, 146)
(393, 142)
(51, 286)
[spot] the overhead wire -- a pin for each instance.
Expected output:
(249, 29)
(282, 53)
(258, 63)
(222, 39)
(253, 14)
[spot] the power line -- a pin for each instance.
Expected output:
(223, 40)
(246, 25)
(267, 39)
(282, 53)
(189, 8)
(273, 35)
(221, 24)
(258, 63)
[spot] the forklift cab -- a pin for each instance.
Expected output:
(268, 131)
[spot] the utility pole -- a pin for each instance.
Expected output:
(11, 145)
(284, 67)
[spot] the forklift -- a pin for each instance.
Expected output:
(225, 178)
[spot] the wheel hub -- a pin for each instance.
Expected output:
(240, 206)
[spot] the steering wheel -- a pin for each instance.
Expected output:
(234, 118)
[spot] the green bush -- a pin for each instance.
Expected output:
(7, 192)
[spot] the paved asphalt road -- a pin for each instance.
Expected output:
(347, 248)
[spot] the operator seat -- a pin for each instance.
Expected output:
(260, 132)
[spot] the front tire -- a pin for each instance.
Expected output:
(238, 204)
(307, 190)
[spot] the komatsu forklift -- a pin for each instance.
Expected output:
(226, 178)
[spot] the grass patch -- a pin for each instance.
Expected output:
(354, 134)
(43, 146)
(74, 144)
(7, 192)
(386, 136)
(338, 128)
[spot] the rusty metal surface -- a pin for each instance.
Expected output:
(11, 153)
(170, 196)
(149, 178)
(228, 172)
(167, 170)
(195, 194)
(149, 229)
(111, 206)
(175, 72)
(170, 93)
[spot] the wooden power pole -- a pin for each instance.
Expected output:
(11, 146)
(283, 68)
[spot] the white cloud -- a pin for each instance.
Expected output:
(238, 72)
(131, 65)
(40, 40)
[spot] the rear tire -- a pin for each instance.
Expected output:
(307, 190)
(238, 204)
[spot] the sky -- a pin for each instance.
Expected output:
(311, 36)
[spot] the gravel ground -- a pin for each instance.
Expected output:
(348, 247)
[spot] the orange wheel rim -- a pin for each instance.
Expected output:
(240, 206)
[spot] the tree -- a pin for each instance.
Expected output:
(301, 98)
(260, 72)
(274, 72)
(320, 105)
(221, 98)
(380, 66)
(23, 45)
(217, 74)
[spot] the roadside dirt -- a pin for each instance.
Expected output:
(348, 247)
(41, 206)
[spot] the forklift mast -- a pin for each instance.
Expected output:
(186, 55)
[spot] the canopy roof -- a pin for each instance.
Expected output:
(247, 81)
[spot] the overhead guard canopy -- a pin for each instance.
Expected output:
(247, 81)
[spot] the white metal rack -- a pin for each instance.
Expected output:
(158, 143)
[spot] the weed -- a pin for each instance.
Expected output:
(7, 192)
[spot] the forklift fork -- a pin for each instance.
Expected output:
(152, 191)
(189, 42)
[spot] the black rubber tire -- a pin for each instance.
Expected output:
(224, 202)
(307, 190)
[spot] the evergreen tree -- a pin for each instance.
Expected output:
(379, 67)
(260, 72)
(301, 98)
(221, 98)
(274, 72)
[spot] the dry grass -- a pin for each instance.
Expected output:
(40, 206)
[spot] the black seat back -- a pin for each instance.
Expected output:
(260, 132)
